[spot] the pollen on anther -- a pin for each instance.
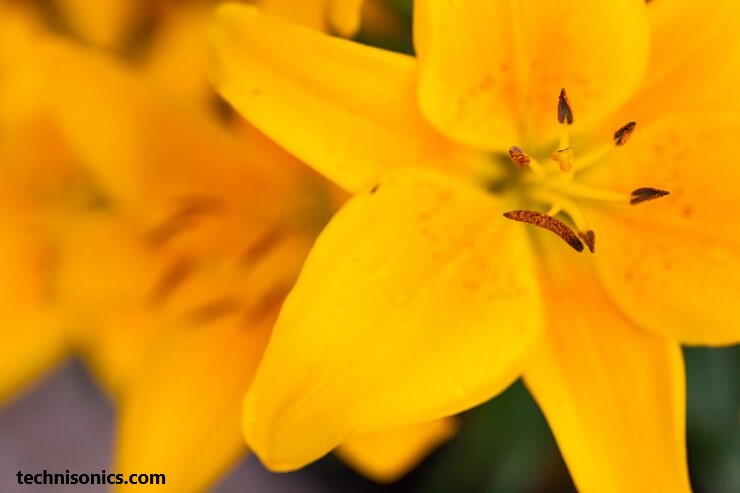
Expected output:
(519, 157)
(622, 135)
(565, 112)
(549, 223)
(646, 193)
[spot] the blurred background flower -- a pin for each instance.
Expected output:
(150, 232)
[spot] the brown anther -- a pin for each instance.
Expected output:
(644, 194)
(549, 223)
(565, 112)
(589, 238)
(622, 135)
(519, 158)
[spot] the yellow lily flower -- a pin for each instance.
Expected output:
(420, 299)
(210, 234)
(132, 331)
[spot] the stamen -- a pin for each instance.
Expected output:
(565, 112)
(519, 157)
(524, 160)
(646, 193)
(589, 238)
(549, 223)
(622, 135)
(564, 158)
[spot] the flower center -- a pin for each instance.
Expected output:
(550, 185)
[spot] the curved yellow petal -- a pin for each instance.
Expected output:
(387, 455)
(345, 109)
(415, 303)
(490, 72)
(342, 15)
(674, 264)
(181, 416)
(613, 394)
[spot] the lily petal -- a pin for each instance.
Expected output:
(490, 72)
(345, 109)
(176, 58)
(415, 303)
(698, 72)
(38, 198)
(155, 158)
(386, 456)
(182, 416)
(674, 264)
(31, 327)
(111, 317)
(614, 395)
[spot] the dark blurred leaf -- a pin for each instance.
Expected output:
(713, 381)
(504, 446)
(405, 6)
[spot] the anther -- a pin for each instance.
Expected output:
(589, 238)
(622, 135)
(519, 157)
(549, 223)
(644, 194)
(565, 112)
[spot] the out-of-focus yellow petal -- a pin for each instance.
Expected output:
(674, 264)
(176, 59)
(104, 23)
(321, 15)
(345, 109)
(159, 160)
(182, 416)
(30, 323)
(415, 303)
(387, 455)
(107, 277)
(20, 74)
(491, 72)
(613, 394)
(36, 189)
